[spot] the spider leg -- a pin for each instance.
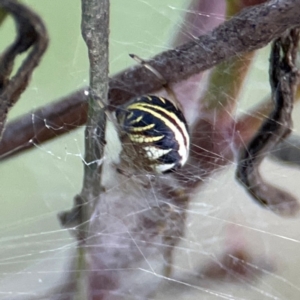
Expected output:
(163, 81)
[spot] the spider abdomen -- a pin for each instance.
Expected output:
(158, 128)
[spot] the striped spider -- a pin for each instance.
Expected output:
(139, 219)
(157, 202)
(153, 130)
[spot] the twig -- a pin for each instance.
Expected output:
(251, 29)
(95, 32)
(283, 78)
(31, 33)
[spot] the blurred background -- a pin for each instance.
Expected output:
(40, 183)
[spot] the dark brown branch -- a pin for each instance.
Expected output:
(44, 124)
(283, 78)
(31, 34)
(252, 29)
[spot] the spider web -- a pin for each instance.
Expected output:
(223, 222)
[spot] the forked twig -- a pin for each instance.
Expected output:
(31, 34)
(283, 78)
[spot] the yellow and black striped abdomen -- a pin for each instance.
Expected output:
(157, 127)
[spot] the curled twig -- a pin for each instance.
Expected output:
(283, 77)
(31, 34)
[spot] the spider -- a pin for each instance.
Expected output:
(154, 130)
(153, 219)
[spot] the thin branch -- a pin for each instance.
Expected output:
(31, 34)
(44, 124)
(251, 29)
(95, 32)
(283, 78)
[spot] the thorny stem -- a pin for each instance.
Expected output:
(283, 78)
(251, 29)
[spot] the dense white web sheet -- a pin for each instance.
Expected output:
(222, 221)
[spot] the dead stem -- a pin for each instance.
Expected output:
(283, 78)
(31, 34)
(95, 32)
